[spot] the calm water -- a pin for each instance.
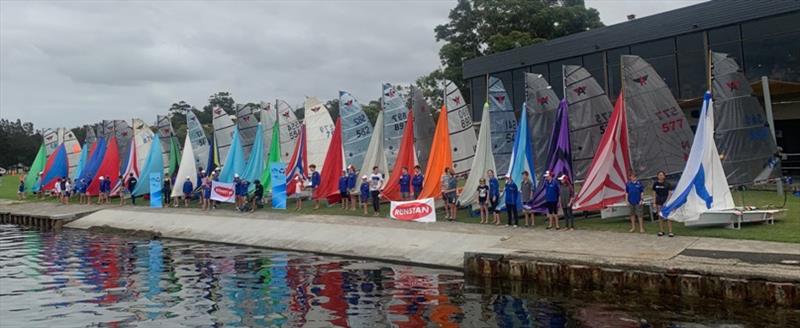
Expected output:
(76, 278)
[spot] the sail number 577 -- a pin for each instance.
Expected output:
(673, 125)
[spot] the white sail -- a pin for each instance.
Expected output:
(51, 140)
(247, 123)
(484, 159)
(267, 117)
(223, 132)
(702, 185)
(393, 104)
(463, 141)
(356, 129)
(375, 156)
(143, 137)
(319, 131)
(73, 151)
(290, 129)
(167, 136)
(198, 137)
(186, 169)
(91, 137)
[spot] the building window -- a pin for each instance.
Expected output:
(556, 79)
(478, 95)
(518, 87)
(613, 61)
(771, 47)
(594, 64)
(692, 67)
(728, 40)
(661, 55)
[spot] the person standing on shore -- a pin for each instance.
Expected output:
(188, 188)
(352, 177)
(101, 186)
(343, 183)
(512, 200)
(132, 185)
(67, 191)
(21, 188)
(405, 185)
(315, 179)
(258, 196)
(526, 191)
(364, 193)
(123, 189)
(483, 200)
(83, 184)
(417, 181)
(662, 189)
(40, 193)
(494, 196)
(206, 183)
(299, 187)
(166, 190)
(633, 193)
(566, 196)
(551, 194)
(449, 193)
(375, 187)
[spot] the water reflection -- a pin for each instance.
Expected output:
(76, 278)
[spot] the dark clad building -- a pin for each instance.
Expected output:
(763, 36)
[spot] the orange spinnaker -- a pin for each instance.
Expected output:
(440, 158)
(334, 164)
(406, 157)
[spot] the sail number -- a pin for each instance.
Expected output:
(360, 119)
(673, 125)
(327, 130)
(602, 120)
(362, 132)
(668, 113)
(464, 118)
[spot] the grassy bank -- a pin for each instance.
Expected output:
(786, 230)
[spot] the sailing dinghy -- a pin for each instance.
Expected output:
(406, 158)
(741, 132)
(319, 131)
(424, 127)
(356, 129)
(463, 141)
(660, 135)
(393, 105)
(169, 145)
(375, 156)
(187, 169)
(504, 124)
(542, 104)
(198, 137)
(73, 148)
(589, 112)
(290, 128)
(223, 131)
(484, 159)
(247, 124)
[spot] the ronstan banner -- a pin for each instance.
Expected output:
(421, 210)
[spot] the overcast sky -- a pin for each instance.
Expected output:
(67, 63)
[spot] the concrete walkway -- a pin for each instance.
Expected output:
(445, 244)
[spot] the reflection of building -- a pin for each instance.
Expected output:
(763, 36)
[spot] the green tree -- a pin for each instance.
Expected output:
(333, 108)
(482, 27)
(19, 143)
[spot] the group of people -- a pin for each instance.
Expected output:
(558, 194)
(65, 188)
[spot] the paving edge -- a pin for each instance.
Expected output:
(640, 278)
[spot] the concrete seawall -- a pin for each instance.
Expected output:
(747, 271)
